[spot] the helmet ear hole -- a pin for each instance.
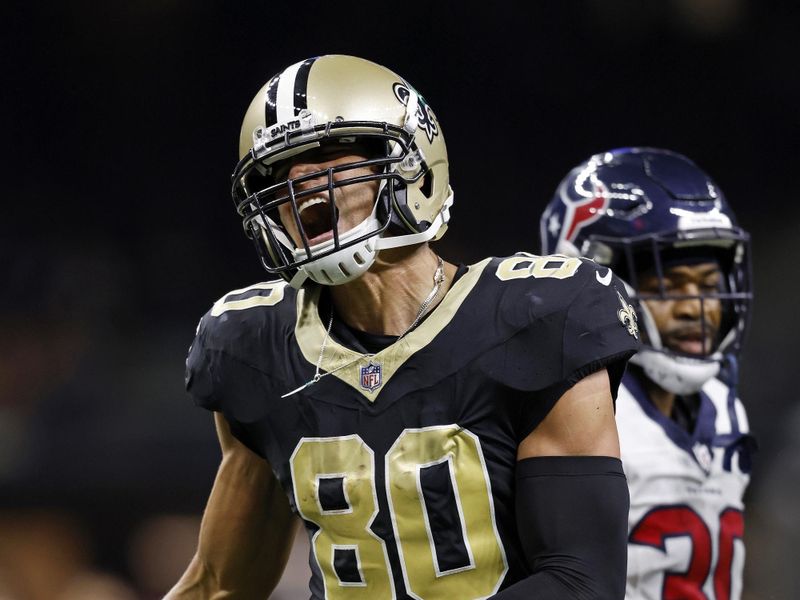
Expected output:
(402, 220)
(427, 184)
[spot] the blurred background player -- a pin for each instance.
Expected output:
(665, 228)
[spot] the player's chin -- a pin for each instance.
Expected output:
(694, 346)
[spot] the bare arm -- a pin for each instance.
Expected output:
(580, 424)
(246, 532)
(572, 500)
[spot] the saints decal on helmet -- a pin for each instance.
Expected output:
(642, 210)
(348, 104)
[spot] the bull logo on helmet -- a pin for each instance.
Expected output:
(585, 212)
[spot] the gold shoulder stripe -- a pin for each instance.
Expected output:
(310, 333)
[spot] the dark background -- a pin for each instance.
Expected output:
(119, 125)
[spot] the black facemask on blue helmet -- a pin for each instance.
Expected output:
(642, 210)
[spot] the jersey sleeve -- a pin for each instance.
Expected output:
(198, 376)
(601, 330)
(220, 382)
(597, 329)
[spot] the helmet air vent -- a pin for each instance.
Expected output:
(427, 185)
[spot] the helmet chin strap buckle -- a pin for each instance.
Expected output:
(412, 120)
(411, 162)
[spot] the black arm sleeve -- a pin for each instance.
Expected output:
(572, 517)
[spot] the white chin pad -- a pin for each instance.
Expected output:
(677, 374)
(346, 264)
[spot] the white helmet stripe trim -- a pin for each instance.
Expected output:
(287, 93)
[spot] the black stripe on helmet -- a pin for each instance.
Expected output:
(271, 107)
(301, 85)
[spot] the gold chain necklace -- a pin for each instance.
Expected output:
(438, 280)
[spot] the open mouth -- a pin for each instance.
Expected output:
(690, 343)
(315, 216)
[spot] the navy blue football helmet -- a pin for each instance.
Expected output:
(640, 210)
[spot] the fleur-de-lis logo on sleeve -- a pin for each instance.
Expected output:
(627, 316)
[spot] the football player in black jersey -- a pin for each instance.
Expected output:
(442, 431)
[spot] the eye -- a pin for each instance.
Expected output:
(280, 171)
(327, 152)
(258, 179)
(649, 284)
(668, 284)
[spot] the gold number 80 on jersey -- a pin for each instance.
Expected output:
(440, 501)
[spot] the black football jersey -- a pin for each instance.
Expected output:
(401, 463)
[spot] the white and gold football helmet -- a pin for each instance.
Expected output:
(330, 100)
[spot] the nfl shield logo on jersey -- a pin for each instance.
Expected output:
(371, 376)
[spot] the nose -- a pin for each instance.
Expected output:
(305, 168)
(688, 308)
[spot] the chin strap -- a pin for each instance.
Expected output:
(441, 220)
(299, 279)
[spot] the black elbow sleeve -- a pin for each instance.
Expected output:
(572, 517)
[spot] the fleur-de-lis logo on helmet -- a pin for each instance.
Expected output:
(627, 316)
(427, 122)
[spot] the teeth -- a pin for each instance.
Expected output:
(311, 202)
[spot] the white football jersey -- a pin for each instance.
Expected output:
(686, 519)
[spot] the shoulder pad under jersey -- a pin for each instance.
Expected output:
(571, 317)
(240, 329)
